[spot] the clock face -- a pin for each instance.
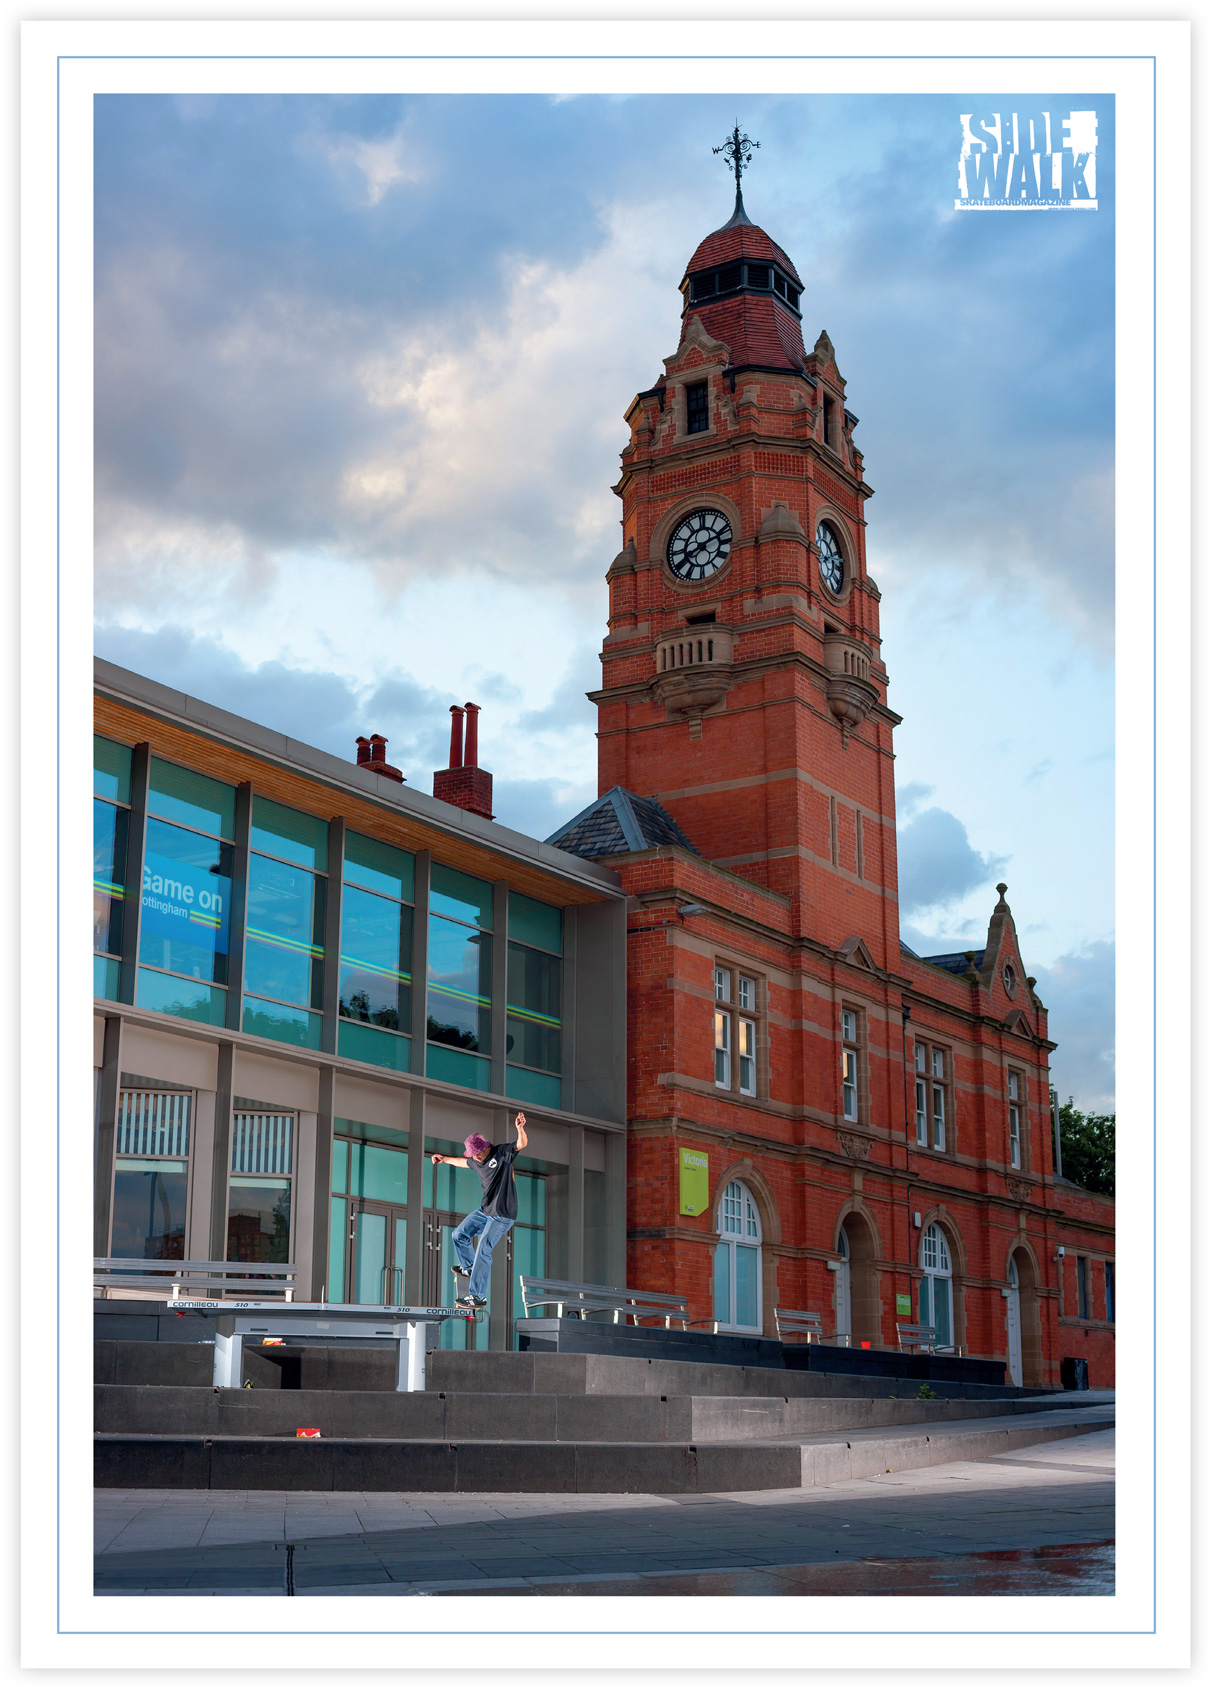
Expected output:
(700, 545)
(832, 563)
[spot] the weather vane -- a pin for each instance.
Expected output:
(738, 151)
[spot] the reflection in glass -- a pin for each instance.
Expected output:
(284, 952)
(258, 1220)
(335, 1289)
(358, 1042)
(186, 902)
(379, 867)
(287, 1025)
(723, 1294)
(188, 999)
(533, 1008)
(535, 923)
(288, 832)
(460, 986)
(746, 1286)
(376, 960)
(109, 876)
(111, 770)
(178, 794)
(369, 1257)
(460, 896)
(149, 1209)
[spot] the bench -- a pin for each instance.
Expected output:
(174, 1276)
(924, 1337)
(797, 1322)
(320, 1322)
(582, 1299)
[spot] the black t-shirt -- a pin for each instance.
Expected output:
(496, 1176)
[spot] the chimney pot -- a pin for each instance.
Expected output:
(471, 755)
(456, 735)
(364, 750)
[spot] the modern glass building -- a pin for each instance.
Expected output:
(306, 976)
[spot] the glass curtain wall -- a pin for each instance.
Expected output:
(111, 825)
(185, 912)
(284, 938)
(459, 1001)
(376, 954)
(533, 1042)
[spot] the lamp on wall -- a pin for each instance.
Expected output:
(693, 909)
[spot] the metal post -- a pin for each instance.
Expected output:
(414, 1237)
(321, 1223)
(223, 1103)
(136, 847)
(107, 1116)
(1055, 1121)
(412, 1356)
(239, 902)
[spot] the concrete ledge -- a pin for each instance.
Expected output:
(268, 1463)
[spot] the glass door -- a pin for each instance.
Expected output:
(377, 1235)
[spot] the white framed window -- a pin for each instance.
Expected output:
(931, 1082)
(746, 1050)
(1015, 1120)
(850, 1053)
(149, 1204)
(936, 1294)
(737, 1284)
(723, 1049)
(736, 1030)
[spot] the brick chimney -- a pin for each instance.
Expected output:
(372, 756)
(465, 783)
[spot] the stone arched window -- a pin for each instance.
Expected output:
(738, 1260)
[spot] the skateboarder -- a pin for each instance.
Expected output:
(495, 1214)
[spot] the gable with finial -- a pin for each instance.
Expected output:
(1002, 972)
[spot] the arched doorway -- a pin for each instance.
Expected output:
(859, 1248)
(842, 1289)
(936, 1305)
(1023, 1277)
(738, 1260)
(1013, 1326)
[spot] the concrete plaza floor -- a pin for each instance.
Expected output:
(1039, 1520)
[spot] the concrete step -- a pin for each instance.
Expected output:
(140, 1461)
(317, 1367)
(168, 1410)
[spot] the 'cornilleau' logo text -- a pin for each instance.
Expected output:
(1028, 161)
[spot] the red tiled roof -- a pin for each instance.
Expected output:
(739, 240)
(754, 328)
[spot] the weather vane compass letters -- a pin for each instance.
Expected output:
(738, 151)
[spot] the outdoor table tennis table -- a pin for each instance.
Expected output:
(237, 1322)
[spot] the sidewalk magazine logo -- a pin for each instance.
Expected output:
(1028, 161)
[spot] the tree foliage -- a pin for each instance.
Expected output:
(1087, 1148)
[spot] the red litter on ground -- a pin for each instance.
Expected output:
(307, 1431)
(268, 1342)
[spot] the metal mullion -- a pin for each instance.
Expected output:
(239, 902)
(136, 850)
(567, 1012)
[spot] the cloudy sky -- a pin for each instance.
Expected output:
(361, 366)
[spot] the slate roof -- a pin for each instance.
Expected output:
(617, 823)
(955, 962)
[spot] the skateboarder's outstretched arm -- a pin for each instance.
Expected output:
(461, 1160)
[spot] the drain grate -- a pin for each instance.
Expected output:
(290, 1568)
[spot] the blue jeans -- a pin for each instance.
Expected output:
(477, 1261)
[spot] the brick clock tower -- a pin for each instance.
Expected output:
(819, 1119)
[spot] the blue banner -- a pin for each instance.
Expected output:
(185, 903)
